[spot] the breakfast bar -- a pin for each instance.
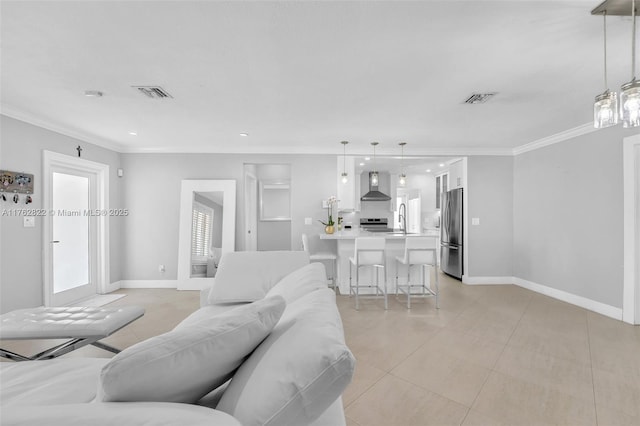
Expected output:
(345, 246)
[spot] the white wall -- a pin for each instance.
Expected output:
(21, 146)
(490, 196)
(568, 211)
(153, 197)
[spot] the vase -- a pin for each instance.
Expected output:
(329, 229)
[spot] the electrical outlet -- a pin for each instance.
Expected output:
(29, 222)
(475, 221)
(161, 268)
(308, 221)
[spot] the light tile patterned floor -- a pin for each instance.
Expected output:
(491, 355)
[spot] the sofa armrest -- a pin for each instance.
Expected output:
(113, 413)
(204, 295)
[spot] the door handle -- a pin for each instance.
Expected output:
(453, 248)
(55, 242)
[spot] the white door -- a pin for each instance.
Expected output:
(76, 229)
(73, 234)
(251, 212)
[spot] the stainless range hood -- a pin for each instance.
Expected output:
(374, 194)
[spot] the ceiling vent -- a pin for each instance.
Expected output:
(155, 92)
(479, 98)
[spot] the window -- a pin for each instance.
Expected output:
(201, 225)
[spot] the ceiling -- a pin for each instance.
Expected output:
(301, 76)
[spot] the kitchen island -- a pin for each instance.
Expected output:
(345, 242)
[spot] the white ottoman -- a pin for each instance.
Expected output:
(83, 325)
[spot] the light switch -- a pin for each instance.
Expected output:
(308, 221)
(29, 222)
(475, 221)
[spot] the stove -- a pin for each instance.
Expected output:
(375, 225)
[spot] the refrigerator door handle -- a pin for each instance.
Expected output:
(453, 248)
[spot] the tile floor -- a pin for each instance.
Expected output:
(491, 355)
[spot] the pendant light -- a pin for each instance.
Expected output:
(345, 177)
(630, 92)
(374, 174)
(402, 181)
(605, 108)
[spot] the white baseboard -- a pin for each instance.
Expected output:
(583, 302)
(486, 280)
(149, 284)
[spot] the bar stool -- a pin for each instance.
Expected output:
(419, 251)
(369, 251)
(317, 254)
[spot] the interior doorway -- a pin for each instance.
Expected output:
(631, 171)
(75, 237)
(267, 194)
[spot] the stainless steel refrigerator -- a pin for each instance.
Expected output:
(451, 233)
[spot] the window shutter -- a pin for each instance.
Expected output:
(201, 223)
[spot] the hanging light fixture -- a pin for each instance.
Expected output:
(345, 177)
(374, 174)
(402, 180)
(630, 92)
(607, 111)
(605, 108)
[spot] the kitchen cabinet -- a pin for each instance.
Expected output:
(442, 186)
(456, 175)
(348, 194)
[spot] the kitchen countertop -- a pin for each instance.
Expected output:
(355, 233)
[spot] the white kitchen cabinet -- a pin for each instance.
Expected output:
(442, 186)
(456, 175)
(347, 193)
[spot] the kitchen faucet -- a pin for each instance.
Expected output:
(402, 217)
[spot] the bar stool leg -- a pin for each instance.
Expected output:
(435, 271)
(357, 286)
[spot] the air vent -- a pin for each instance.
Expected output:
(479, 98)
(155, 92)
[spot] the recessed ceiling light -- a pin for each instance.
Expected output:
(441, 164)
(428, 170)
(93, 93)
(362, 164)
(244, 134)
(133, 133)
(367, 158)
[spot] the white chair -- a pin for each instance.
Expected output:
(319, 252)
(369, 252)
(419, 251)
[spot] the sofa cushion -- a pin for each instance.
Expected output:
(247, 276)
(65, 380)
(304, 280)
(188, 362)
(298, 371)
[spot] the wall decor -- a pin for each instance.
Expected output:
(16, 182)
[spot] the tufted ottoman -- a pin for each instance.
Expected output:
(83, 325)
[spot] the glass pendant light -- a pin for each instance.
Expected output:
(374, 174)
(345, 177)
(605, 108)
(402, 180)
(630, 92)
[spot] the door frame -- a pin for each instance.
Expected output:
(250, 211)
(631, 195)
(51, 160)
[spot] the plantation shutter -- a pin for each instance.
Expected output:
(201, 222)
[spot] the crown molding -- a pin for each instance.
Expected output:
(286, 150)
(82, 137)
(553, 139)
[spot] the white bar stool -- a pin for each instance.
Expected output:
(419, 251)
(369, 251)
(320, 254)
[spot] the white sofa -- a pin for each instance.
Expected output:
(269, 324)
